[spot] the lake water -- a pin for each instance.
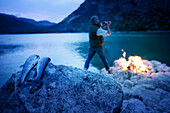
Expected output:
(148, 45)
(71, 49)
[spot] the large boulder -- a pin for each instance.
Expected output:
(63, 89)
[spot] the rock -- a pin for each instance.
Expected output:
(63, 89)
(152, 88)
(121, 76)
(128, 84)
(133, 106)
(103, 71)
(158, 67)
(164, 104)
(161, 68)
(161, 80)
(137, 77)
(148, 86)
(156, 100)
(117, 63)
(148, 64)
(152, 97)
(155, 63)
(128, 94)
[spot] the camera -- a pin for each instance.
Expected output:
(104, 23)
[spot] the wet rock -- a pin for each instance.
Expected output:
(63, 89)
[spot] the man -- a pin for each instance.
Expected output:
(96, 34)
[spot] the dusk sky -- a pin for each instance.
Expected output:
(52, 10)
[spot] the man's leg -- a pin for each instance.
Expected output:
(90, 56)
(102, 56)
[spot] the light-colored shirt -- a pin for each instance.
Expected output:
(102, 32)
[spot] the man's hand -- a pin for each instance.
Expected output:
(102, 32)
(106, 22)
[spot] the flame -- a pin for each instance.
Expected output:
(124, 53)
(134, 63)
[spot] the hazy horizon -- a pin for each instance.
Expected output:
(53, 11)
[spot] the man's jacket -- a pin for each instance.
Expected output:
(95, 41)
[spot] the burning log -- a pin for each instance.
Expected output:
(134, 63)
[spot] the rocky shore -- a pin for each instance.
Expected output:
(63, 89)
(144, 93)
(69, 89)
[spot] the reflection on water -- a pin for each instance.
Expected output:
(9, 48)
(150, 46)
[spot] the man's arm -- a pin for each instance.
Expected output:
(109, 32)
(102, 32)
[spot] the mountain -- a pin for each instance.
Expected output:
(43, 23)
(12, 24)
(126, 15)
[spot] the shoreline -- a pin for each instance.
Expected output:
(158, 31)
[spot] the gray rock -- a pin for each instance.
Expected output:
(162, 68)
(161, 80)
(133, 106)
(128, 84)
(158, 67)
(151, 88)
(63, 89)
(149, 65)
(156, 100)
(165, 104)
(151, 98)
(148, 86)
(120, 76)
(144, 81)
(136, 78)
(155, 63)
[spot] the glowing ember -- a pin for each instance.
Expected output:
(134, 63)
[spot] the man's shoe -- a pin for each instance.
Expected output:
(110, 70)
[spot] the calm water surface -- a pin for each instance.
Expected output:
(15, 49)
(150, 46)
(72, 49)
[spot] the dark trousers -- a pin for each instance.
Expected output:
(100, 52)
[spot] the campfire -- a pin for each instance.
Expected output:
(134, 63)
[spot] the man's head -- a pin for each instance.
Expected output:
(95, 20)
